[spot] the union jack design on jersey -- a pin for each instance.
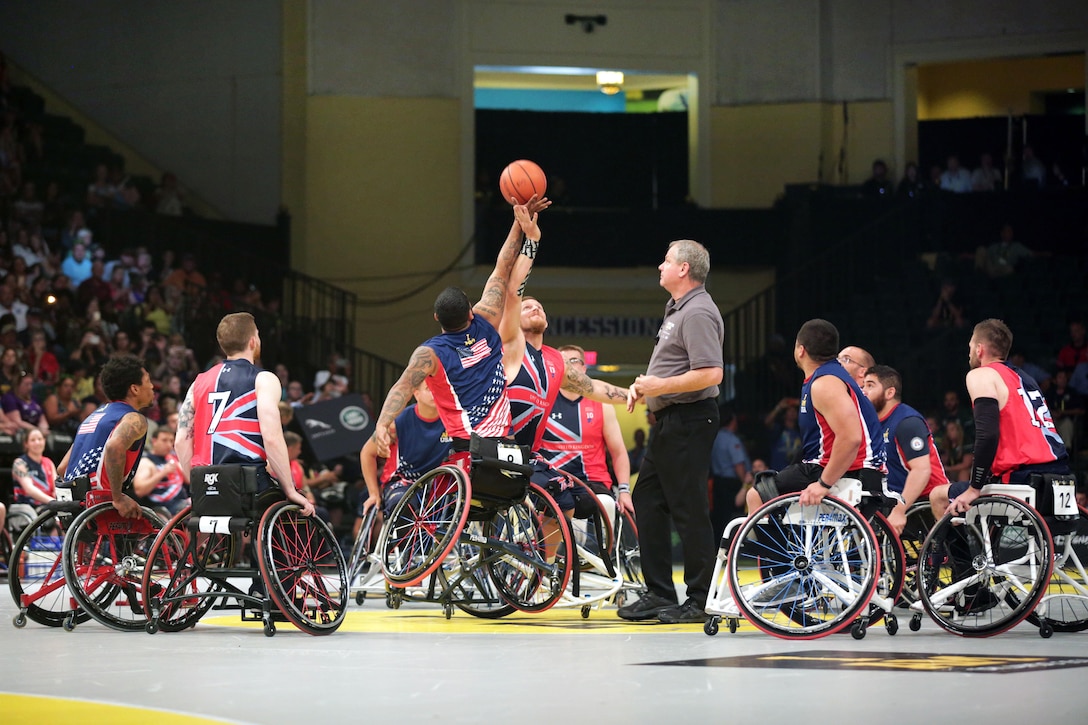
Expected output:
(225, 415)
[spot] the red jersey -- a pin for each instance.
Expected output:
(225, 427)
(1028, 435)
(574, 439)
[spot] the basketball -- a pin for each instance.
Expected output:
(521, 179)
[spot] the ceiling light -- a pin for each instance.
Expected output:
(610, 81)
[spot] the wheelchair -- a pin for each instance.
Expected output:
(364, 569)
(477, 535)
(803, 572)
(293, 563)
(36, 574)
(985, 571)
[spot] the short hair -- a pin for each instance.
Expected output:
(820, 339)
(163, 430)
(119, 374)
(696, 255)
(574, 348)
(234, 332)
(997, 336)
(452, 307)
(291, 438)
(889, 377)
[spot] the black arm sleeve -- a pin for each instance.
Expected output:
(987, 435)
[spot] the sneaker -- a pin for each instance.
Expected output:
(647, 607)
(687, 613)
(976, 601)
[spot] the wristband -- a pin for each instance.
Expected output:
(980, 475)
(521, 289)
(820, 481)
(529, 247)
(624, 488)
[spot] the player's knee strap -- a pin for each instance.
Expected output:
(766, 485)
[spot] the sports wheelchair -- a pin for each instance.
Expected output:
(985, 571)
(292, 562)
(80, 560)
(477, 535)
(803, 572)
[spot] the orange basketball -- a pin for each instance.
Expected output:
(521, 179)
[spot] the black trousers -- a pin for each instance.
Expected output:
(671, 489)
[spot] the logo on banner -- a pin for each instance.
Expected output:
(354, 418)
(317, 424)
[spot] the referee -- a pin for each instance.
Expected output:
(680, 387)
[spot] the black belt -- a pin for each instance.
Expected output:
(681, 407)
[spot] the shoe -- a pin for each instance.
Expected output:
(647, 607)
(687, 613)
(977, 601)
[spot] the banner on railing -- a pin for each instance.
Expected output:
(337, 427)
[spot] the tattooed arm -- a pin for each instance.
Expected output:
(129, 430)
(183, 441)
(20, 472)
(576, 381)
(423, 363)
(491, 303)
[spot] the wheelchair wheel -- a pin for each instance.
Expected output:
(104, 559)
(533, 568)
(6, 545)
(424, 526)
(36, 572)
(920, 521)
(801, 572)
(360, 563)
(589, 532)
(628, 559)
(175, 579)
(303, 568)
(1065, 604)
(985, 575)
(890, 582)
(465, 580)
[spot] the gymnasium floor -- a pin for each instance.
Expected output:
(414, 665)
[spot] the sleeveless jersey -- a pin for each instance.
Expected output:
(172, 485)
(469, 386)
(225, 424)
(44, 476)
(85, 457)
(906, 437)
(533, 392)
(1028, 435)
(574, 439)
(421, 446)
(816, 435)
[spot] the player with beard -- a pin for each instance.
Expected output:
(1014, 433)
(230, 415)
(914, 466)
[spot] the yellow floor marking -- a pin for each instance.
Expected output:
(62, 711)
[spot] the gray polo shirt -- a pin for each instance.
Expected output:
(691, 337)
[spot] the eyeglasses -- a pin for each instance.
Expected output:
(845, 360)
(576, 361)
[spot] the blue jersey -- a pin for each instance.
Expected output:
(225, 426)
(817, 436)
(85, 457)
(906, 437)
(469, 386)
(422, 445)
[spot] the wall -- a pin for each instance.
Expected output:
(194, 86)
(993, 87)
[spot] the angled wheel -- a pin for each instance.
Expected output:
(36, 572)
(178, 591)
(890, 582)
(303, 569)
(801, 572)
(984, 572)
(364, 574)
(920, 521)
(104, 559)
(1065, 604)
(424, 526)
(531, 566)
(465, 579)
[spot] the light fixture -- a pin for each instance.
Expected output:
(610, 81)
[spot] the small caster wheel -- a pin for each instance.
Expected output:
(269, 628)
(857, 631)
(915, 622)
(1046, 629)
(389, 600)
(397, 599)
(732, 625)
(711, 626)
(19, 620)
(360, 597)
(152, 626)
(69, 622)
(891, 623)
(447, 609)
(585, 611)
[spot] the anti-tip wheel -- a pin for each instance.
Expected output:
(585, 611)
(891, 623)
(19, 620)
(360, 597)
(151, 627)
(857, 631)
(711, 626)
(915, 622)
(733, 625)
(269, 628)
(1046, 629)
(447, 609)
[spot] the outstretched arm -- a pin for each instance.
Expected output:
(423, 363)
(491, 303)
(576, 381)
(513, 338)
